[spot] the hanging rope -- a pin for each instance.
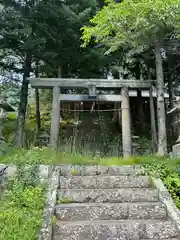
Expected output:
(94, 110)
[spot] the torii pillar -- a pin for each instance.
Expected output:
(55, 118)
(126, 123)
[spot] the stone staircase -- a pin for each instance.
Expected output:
(110, 204)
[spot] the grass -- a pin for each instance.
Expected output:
(48, 156)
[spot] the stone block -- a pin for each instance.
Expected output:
(44, 172)
(160, 230)
(104, 182)
(11, 170)
(93, 211)
(68, 170)
(98, 230)
(176, 150)
(110, 211)
(109, 195)
(147, 211)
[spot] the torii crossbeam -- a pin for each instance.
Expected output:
(96, 84)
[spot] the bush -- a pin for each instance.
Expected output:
(169, 172)
(9, 130)
(21, 207)
(173, 185)
(21, 213)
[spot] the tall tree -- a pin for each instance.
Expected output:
(138, 23)
(60, 22)
(17, 30)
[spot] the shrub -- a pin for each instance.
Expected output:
(169, 172)
(21, 207)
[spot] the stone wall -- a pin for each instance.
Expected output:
(44, 172)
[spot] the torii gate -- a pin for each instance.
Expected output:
(100, 84)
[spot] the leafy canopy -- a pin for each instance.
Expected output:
(133, 23)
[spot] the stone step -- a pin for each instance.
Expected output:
(104, 182)
(108, 195)
(110, 211)
(160, 230)
(77, 170)
(113, 230)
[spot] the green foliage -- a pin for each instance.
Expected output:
(21, 219)
(145, 145)
(21, 207)
(16, 19)
(59, 22)
(47, 155)
(134, 23)
(9, 130)
(65, 200)
(74, 172)
(169, 172)
(172, 182)
(12, 116)
(4, 148)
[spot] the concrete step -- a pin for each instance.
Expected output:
(110, 211)
(113, 230)
(77, 170)
(108, 195)
(105, 182)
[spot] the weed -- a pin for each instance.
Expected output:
(65, 200)
(74, 172)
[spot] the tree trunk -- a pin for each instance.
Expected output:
(162, 137)
(23, 102)
(59, 72)
(38, 116)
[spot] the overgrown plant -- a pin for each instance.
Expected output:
(21, 207)
(169, 174)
